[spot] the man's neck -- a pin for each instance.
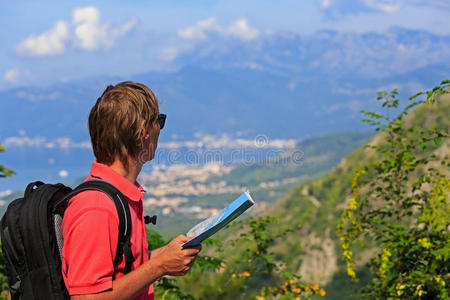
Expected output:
(131, 173)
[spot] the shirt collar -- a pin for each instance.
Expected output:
(131, 191)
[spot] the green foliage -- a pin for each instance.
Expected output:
(255, 275)
(4, 172)
(258, 265)
(3, 278)
(401, 201)
(155, 240)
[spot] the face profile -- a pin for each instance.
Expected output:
(150, 142)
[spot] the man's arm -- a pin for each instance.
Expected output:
(154, 253)
(171, 260)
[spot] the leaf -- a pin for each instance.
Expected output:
(286, 274)
(407, 156)
(415, 95)
(437, 140)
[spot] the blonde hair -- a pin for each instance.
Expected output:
(115, 121)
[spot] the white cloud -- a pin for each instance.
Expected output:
(38, 96)
(12, 75)
(85, 32)
(16, 76)
(386, 6)
(89, 14)
(238, 29)
(6, 193)
(90, 35)
(63, 173)
(199, 29)
(241, 30)
(51, 42)
(226, 141)
(325, 3)
(42, 142)
(196, 32)
(169, 53)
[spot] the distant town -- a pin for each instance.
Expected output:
(169, 187)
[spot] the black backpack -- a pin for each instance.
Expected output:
(32, 239)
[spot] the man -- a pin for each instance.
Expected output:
(124, 126)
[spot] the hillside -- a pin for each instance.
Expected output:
(314, 249)
(311, 211)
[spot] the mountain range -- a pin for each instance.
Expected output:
(283, 85)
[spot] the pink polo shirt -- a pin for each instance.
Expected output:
(90, 230)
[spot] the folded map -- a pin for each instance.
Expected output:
(211, 225)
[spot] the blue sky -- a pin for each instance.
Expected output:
(48, 41)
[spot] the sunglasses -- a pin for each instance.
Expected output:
(162, 120)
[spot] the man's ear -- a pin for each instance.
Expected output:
(144, 132)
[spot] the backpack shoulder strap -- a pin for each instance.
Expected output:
(123, 212)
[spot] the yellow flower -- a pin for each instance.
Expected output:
(350, 272)
(297, 290)
(315, 286)
(425, 243)
(233, 276)
(386, 254)
(348, 254)
(260, 298)
(322, 292)
(352, 204)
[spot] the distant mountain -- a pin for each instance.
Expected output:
(325, 54)
(282, 85)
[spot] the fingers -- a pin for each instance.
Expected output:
(191, 252)
(178, 260)
(182, 239)
(192, 262)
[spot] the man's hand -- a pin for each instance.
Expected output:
(174, 260)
